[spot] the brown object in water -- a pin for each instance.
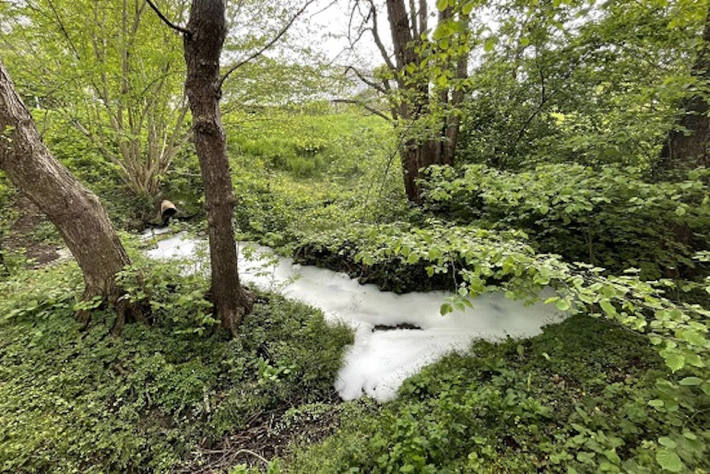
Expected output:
(167, 210)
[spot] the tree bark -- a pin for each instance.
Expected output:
(691, 149)
(439, 150)
(203, 46)
(73, 209)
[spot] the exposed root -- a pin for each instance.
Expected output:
(231, 319)
(126, 311)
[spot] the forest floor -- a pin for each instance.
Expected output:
(157, 400)
(29, 233)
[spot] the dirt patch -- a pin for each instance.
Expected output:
(27, 234)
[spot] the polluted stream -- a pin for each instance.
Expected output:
(395, 335)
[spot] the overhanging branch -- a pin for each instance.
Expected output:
(364, 106)
(175, 27)
(267, 45)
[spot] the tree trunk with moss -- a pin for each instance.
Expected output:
(688, 147)
(203, 46)
(73, 209)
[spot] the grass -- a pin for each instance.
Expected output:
(176, 396)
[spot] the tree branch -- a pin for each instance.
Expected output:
(373, 84)
(378, 40)
(175, 27)
(63, 30)
(364, 106)
(268, 45)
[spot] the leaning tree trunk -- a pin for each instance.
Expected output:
(689, 148)
(73, 209)
(203, 46)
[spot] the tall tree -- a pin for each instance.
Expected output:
(423, 85)
(73, 209)
(687, 146)
(203, 40)
(203, 47)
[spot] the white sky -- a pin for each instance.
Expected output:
(328, 22)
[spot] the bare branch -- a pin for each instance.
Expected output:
(423, 13)
(63, 30)
(378, 40)
(364, 106)
(413, 19)
(369, 82)
(268, 45)
(175, 27)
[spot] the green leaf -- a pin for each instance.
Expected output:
(667, 442)
(608, 308)
(669, 460)
(656, 403)
(442, 4)
(691, 381)
(563, 305)
(675, 361)
(489, 44)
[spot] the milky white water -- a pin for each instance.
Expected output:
(378, 361)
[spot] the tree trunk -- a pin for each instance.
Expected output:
(418, 155)
(203, 46)
(416, 158)
(73, 209)
(690, 150)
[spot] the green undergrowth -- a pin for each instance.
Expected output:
(577, 398)
(307, 142)
(74, 400)
(610, 216)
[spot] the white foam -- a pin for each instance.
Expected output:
(378, 362)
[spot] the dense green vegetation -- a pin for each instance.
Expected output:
(561, 179)
(575, 398)
(77, 400)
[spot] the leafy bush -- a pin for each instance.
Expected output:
(578, 398)
(609, 217)
(482, 260)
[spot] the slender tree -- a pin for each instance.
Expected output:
(203, 39)
(203, 47)
(73, 209)
(116, 79)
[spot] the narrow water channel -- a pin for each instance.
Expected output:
(395, 335)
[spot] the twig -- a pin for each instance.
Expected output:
(364, 106)
(175, 27)
(64, 31)
(247, 451)
(267, 45)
